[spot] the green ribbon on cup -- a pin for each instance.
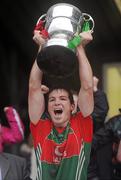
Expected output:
(86, 26)
(73, 43)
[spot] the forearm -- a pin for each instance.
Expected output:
(85, 70)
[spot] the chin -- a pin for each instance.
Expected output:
(57, 122)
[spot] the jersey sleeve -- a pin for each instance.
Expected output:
(85, 126)
(40, 131)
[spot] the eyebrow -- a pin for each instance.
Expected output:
(64, 96)
(59, 97)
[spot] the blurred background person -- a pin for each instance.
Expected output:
(99, 114)
(107, 141)
(13, 167)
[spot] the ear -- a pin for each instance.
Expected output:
(72, 107)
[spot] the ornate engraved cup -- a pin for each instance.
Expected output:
(63, 22)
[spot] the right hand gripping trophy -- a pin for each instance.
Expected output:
(63, 24)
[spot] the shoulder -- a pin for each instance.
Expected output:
(81, 121)
(41, 122)
(79, 117)
(12, 157)
(41, 129)
(85, 124)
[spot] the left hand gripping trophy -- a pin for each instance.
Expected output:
(62, 25)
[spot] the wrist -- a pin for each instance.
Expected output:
(80, 50)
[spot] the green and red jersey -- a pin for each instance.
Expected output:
(63, 153)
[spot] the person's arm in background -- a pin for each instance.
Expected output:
(101, 105)
(85, 97)
(14, 133)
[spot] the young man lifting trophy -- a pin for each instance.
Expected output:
(62, 140)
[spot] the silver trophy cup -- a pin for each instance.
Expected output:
(63, 22)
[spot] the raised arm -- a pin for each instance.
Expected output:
(36, 102)
(85, 99)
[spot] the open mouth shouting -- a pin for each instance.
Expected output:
(58, 112)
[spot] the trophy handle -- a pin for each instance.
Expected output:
(42, 17)
(88, 18)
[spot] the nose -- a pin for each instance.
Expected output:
(57, 101)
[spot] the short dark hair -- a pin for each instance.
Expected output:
(70, 95)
